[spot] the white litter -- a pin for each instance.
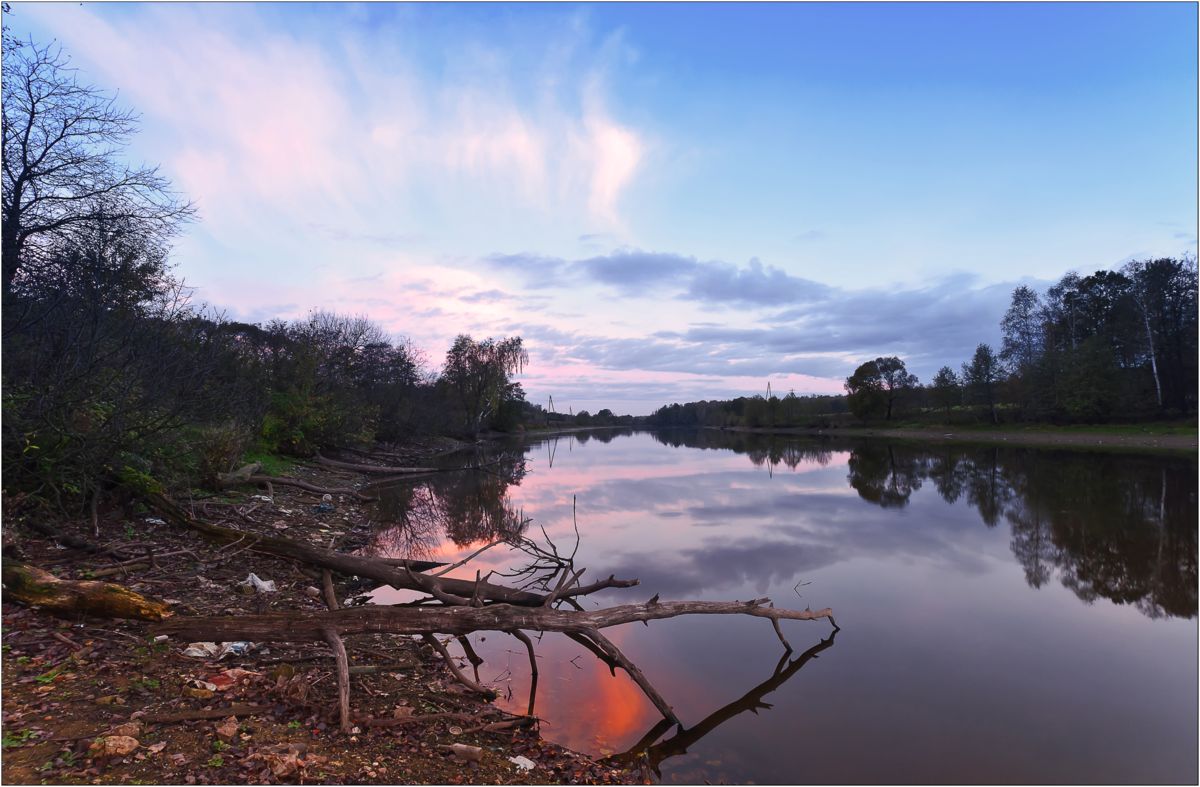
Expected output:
(204, 650)
(208, 650)
(522, 763)
(262, 586)
(240, 648)
(153, 520)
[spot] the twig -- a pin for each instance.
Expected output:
(207, 713)
(467, 559)
(463, 679)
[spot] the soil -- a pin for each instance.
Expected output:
(71, 683)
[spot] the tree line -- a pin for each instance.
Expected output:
(753, 411)
(1115, 345)
(114, 379)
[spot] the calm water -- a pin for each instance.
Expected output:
(1008, 615)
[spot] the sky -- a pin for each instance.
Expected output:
(668, 202)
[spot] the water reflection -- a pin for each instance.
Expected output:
(1114, 526)
(465, 507)
(651, 755)
(958, 571)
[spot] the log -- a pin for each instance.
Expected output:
(41, 589)
(402, 578)
(312, 627)
(236, 479)
(654, 753)
(208, 713)
(377, 469)
(239, 476)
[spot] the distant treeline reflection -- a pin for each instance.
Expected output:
(1114, 526)
(464, 507)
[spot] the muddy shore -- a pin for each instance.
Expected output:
(1050, 438)
(69, 682)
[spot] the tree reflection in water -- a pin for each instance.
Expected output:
(1114, 526)
(649, 754)
(464, 507)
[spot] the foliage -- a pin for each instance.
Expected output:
(877, 386)
(477, 376)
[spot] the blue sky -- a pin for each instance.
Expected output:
(668, 201)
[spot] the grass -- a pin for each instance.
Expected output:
(9, 740)
(272, 464)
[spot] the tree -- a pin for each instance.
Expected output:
(864, 391)
(62, 172)
(947, 391)
(980, 377)
(1164, 291)
(897, 382)
(877, 385)
(1022, 329)
(478, 372)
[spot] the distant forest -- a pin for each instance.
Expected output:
(1112, 346)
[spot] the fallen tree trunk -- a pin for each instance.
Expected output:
(378, 469)
(41, 589)
(582, 626)
(313, 627)
(235, 479)
(403, 578)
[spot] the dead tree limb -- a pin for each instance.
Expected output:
(311, 627)
(606, 645)
(343, 677)
(655, 753)
(533, 668)
(464, 619)
(304, 485)
(328, 591)
(39, 588)
(210, 713)
(377, 469)
(404, 578)
(463, 679)
(471, 655)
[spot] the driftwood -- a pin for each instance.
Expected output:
(249, 475)
(403, 577)
(458, 620)
(653, 754)
(39, 588)
(208, 713)
(378, 469)
(456, 607)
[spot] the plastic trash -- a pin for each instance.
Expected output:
(203, 650)
(240, 648)
(153, 520)
(522, 763)
(263, 498)
(261, 585)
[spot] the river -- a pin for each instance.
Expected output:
(1008, 615)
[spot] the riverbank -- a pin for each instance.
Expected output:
(69, 682)
(1152, 437)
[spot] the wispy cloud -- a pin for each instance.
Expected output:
(633, 272)
(344, 128)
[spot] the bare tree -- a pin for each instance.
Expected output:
(62, 168)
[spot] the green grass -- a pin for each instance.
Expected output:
(272, 464)
(9, 740)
